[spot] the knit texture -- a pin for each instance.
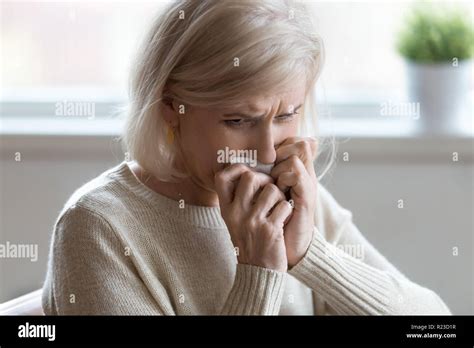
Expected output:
(120, 248)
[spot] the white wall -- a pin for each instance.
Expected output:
(419, 239)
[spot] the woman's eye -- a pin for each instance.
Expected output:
(286, 117)
(235, 123)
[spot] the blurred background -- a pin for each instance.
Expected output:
(396, 92)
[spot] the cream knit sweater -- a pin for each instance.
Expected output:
(120, 248)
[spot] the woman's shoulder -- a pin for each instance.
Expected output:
(101, 196)
(94, 215)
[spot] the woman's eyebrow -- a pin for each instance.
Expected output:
(239, 114)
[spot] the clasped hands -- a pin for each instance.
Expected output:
(265, 229)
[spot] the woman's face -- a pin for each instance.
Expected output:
(261, 124)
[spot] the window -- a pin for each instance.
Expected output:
(55, 52)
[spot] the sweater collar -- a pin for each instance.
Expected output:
(195, 215)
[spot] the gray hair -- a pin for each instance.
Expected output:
(218, 53)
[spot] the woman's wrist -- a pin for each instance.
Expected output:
(301, 252)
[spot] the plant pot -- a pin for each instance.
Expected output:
(442, 91)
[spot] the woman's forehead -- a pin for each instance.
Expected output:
(283, 101)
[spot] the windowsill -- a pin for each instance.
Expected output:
(106, 127)
(60, 126)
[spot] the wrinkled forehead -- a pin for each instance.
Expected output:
(279, 102)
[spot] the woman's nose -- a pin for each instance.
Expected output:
(266, 149)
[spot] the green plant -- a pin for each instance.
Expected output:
(432, 36)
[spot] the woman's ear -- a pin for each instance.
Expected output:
(170, 112)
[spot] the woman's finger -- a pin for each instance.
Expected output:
(281, 212)
(306, 149)
(291, 173)
(267, 199)
(292, 164)
(249, 184)
(226, 180)
(286, 180)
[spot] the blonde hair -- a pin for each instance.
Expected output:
(217, 53)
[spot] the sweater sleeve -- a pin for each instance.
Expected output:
(89, 272)
(256, 291)
(363, 284)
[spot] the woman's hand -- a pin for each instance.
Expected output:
(254, 215)
(294, 171)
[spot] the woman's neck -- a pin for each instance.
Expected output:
(188, 190)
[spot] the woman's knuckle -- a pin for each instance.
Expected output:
(247, 175)
(252, 177)
(251, 224)
(301, 146)
(281, 195)
(270, 187)
(294, 159)
(274, 190)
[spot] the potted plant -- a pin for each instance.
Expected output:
(438, 46)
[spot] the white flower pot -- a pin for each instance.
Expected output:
(442, 91)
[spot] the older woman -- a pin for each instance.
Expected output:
(180, 229)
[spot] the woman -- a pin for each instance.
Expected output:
(181, 229)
